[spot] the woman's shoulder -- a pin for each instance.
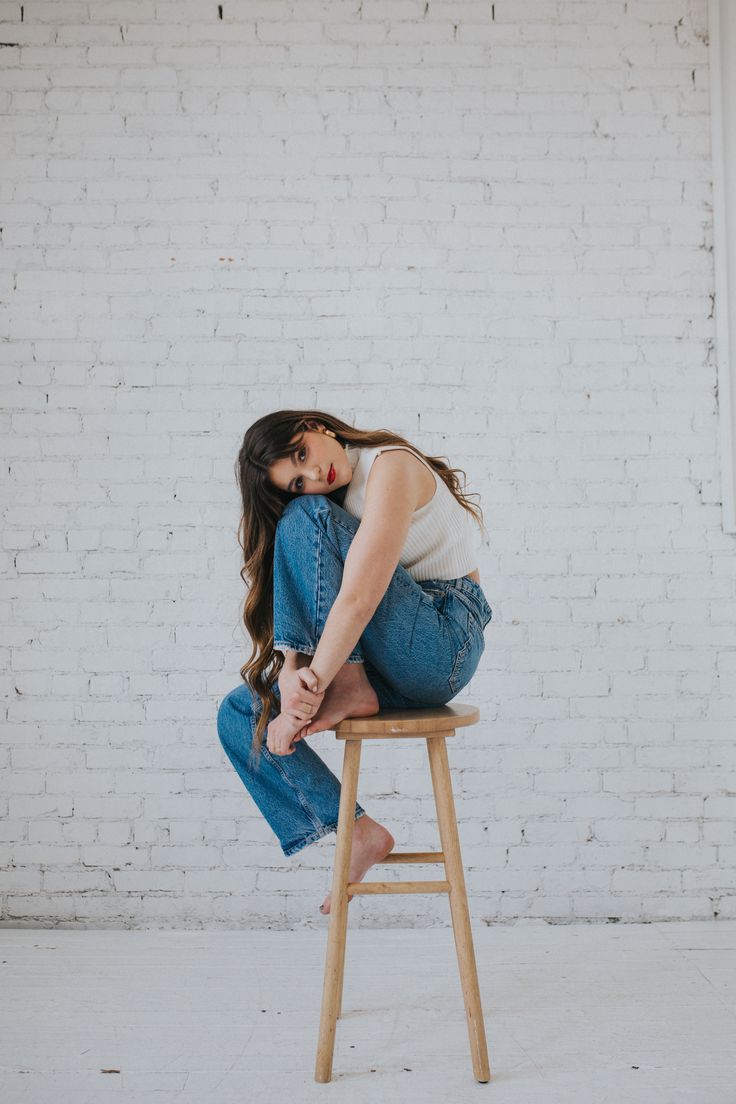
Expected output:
(404, 459)
(403, 454)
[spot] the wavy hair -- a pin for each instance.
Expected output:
(269, 439)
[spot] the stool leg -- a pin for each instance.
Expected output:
(445, 803)
(332, 988)
(347, 769)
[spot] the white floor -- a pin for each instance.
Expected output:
(575, 1014)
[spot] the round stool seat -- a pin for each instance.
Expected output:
(438, 720)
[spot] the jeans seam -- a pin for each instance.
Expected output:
(304, 803)
(416, 615)
(459, 658)
(318, 553)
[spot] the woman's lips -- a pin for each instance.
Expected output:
(331, 475)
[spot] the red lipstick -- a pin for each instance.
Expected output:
(331, 474)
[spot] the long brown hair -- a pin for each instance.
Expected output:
(269, 439)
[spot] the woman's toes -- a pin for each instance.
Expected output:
(324, 908)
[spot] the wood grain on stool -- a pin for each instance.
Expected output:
(434, 726)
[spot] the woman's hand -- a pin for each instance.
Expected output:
(297, 697)
(283, 733)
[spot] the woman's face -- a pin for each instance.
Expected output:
(316, 458)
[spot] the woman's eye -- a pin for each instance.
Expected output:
(299, 457)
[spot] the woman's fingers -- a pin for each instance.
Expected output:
(302, 704)
(279, 737)
(297, 712)
(308, 679)
(282, 750)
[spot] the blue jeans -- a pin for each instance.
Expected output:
(420, 648)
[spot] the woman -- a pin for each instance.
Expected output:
(363, 594)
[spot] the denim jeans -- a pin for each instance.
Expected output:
(420, 648)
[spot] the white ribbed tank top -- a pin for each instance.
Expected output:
(439, 544)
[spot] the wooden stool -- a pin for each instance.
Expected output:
(434, 725)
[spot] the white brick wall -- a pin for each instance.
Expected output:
(497, 214)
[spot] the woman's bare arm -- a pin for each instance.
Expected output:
(392, 492)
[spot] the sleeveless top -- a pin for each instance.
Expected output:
(439, 544)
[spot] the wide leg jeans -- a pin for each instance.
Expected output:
(420, 648)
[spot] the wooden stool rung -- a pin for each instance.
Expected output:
(413, 857)
(398, 887)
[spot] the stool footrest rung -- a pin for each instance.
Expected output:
(398, 887)
(413, 857)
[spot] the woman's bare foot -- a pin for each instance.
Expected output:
(350, 694)
(371, 843)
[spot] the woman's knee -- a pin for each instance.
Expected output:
(301, 509)
(234, 717)
(303, 513)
